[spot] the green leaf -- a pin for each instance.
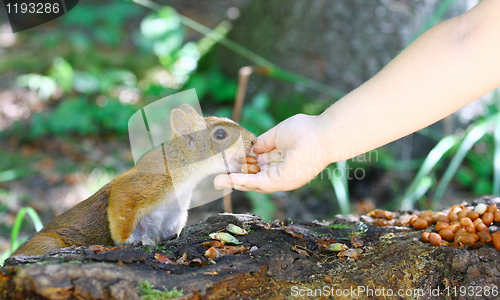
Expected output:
(157, 25)
(45, 86)
(62, 72)
(72, 116)
(114, 116)
(85, 82)
(168, 45)
(38, 126)
(8, 175)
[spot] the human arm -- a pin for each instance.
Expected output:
(449, 66)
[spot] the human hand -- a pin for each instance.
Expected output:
(289, 156)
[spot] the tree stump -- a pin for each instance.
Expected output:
(276, 260)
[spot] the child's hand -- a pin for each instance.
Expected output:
(289, 156)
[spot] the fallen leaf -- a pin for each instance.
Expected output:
(292, 233)
(301, 251)
(164, 260)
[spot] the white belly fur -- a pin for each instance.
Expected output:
(165, 220)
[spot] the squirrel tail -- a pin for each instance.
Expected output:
(40, 243)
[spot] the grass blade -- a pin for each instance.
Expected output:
(14, 243)
(340, 187)
(434, 156)
(423, 186)
(496, 160)
(469, 141)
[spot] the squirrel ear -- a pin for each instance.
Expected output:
(190, 111)
(180, 122)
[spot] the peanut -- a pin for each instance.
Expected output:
(480, 208)
(484, 236)
(458, 233)
(497, 216)
(463, 213)
(472, 215)
(447, 234)
(250, 169)
(452, 216)
(420, 224)
(249, 160)
(495, 236)
(477, 222)
(425, 237)
(481, 227)
(464, 222)
(488, 218)
(492, 208)
(435, 239)
(441, 225)
(443, 218)
(428, 219)
(453, 227)
(470, 228)
(468, 239)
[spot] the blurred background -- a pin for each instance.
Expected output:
(68, 87)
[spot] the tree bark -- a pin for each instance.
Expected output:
(280, 262)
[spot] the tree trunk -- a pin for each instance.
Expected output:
(341, 44)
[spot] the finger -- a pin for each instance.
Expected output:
(235, 180)
(259, 182)
(269, 157)
(265, 142)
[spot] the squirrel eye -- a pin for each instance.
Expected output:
(220, 134)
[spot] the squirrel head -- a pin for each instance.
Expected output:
(199, 145)
(209, 139)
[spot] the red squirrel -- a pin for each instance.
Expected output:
(143, 206)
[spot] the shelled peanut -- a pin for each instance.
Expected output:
(249, 165)
(386, 218)
(461, 227)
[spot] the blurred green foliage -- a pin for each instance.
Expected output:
(95, 70)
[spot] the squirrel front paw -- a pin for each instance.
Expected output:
(143, 240)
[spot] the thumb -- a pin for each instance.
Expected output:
(235, 180)
(265, 142)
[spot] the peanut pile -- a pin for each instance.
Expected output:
(249, 165)
(459, 227)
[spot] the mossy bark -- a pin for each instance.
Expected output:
(284, 262)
